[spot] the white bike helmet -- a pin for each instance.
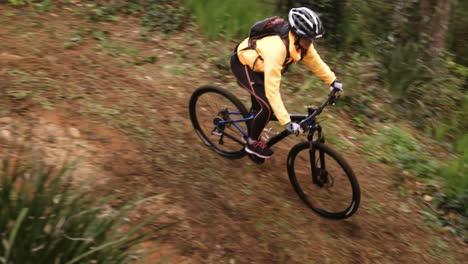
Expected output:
(305, 23)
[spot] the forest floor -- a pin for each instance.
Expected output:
(89, 89)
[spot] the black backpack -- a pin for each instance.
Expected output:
(269, 27)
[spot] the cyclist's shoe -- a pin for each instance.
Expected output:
(259, 149)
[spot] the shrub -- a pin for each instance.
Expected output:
(165, 16)
(395, 146)
(455, 174)
(44, 220)
(429, 94)
(401, 68)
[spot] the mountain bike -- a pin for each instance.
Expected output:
(320, 176)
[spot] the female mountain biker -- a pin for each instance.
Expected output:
(259, 69)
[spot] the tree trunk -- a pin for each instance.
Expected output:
(425, 14)
(439, 27)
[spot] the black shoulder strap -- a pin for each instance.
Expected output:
(284, 34)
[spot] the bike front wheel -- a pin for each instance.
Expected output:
(212, 111)
(332, 191)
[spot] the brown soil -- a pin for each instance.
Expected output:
(230, 211)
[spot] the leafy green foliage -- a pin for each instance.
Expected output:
(455, 174)
(401, 68)
(458, 69)
(156, 15)
(44, 220)
(436, 100)
(362, 24)
(458, 34)
(108, 11)
(165, 16)
(17, 2)
(397, 147)
(43, 5)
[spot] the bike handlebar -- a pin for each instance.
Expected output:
(332, 98)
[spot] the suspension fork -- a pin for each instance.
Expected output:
(316, 171)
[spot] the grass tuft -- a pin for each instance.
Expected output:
(45, 220)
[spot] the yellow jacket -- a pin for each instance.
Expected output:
(269, 57)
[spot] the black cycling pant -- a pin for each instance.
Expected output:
(254, 83)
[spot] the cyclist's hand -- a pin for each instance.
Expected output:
(336, 86)
(294, 128)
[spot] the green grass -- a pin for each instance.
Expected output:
(228, 18)
(175, 69)
(17, 2)
(440, 250)
(403, 69)
(114, 118)
(46, 220)
(455, 175)
(397, 147)
(374, 208)
(21, 88)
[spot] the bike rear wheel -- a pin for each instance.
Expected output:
(209, 105)
(334, 193)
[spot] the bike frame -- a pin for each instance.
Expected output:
(272, 141)
(307, 122)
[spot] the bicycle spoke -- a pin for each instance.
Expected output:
(234, 138)
(209, 110)
(329, 191)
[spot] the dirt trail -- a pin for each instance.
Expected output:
(231, 211)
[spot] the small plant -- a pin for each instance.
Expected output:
(395, 146)
(44, 220)
(17, 2)
(76, 37)
(165, 16)
(44, 5)
(455, 175)
(402, 68)
(175, 69)
(99, 12)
